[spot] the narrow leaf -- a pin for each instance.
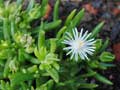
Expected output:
(41, 39)
(89, 86)
(56, 10)
(76, 20)
(43, 7)
(52, 25)
(61, 31)
(70, 17)
(103, 79)
(96, 30)
(52, 45)
(6, 31)
(104, 46)
(30, 5)
(54, 74)
(19, 2)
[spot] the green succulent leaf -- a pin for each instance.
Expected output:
(104, 46)
(89, 86)
(107, 64)
(32, 69)
(22, 77)
(70, 17)
(1, 3)
(30, 5)
(19, 2)
(6, 68)
(93, 64)
(56, 10)
(3, 54)
(98, 44)
(61, 32)
(103, 79)
(43, 7)
(76, 20)
(54, 74)
(52, 45)
(107, 57)
(52, 25)
(6, 31)
(56, 66)
(21, 55)
(41, 39)
(47, 86)
(96, 30)
(100, 77)
(5, 85)
(31, 59)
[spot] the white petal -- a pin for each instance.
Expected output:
(85, 34)
(81, 55)
(69, 35)
(91, 40)
(69, 52)
(89, 52)
(91, 48)
(76, 32)
(72, 55)
(67, 42)
(85, 55)
(67, 48)
(68, 38)
(81, 32)
(76, 56)
(74, 35)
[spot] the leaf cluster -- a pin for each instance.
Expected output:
(30, 60)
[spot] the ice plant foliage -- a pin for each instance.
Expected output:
(79, 44)
(27, 55)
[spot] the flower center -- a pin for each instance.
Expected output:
(78, 44)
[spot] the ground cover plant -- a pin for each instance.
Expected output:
(30, 59)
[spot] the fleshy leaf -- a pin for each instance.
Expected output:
(107, 57)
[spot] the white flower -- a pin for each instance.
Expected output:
(79, 44)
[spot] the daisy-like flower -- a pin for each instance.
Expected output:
(79, 44)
